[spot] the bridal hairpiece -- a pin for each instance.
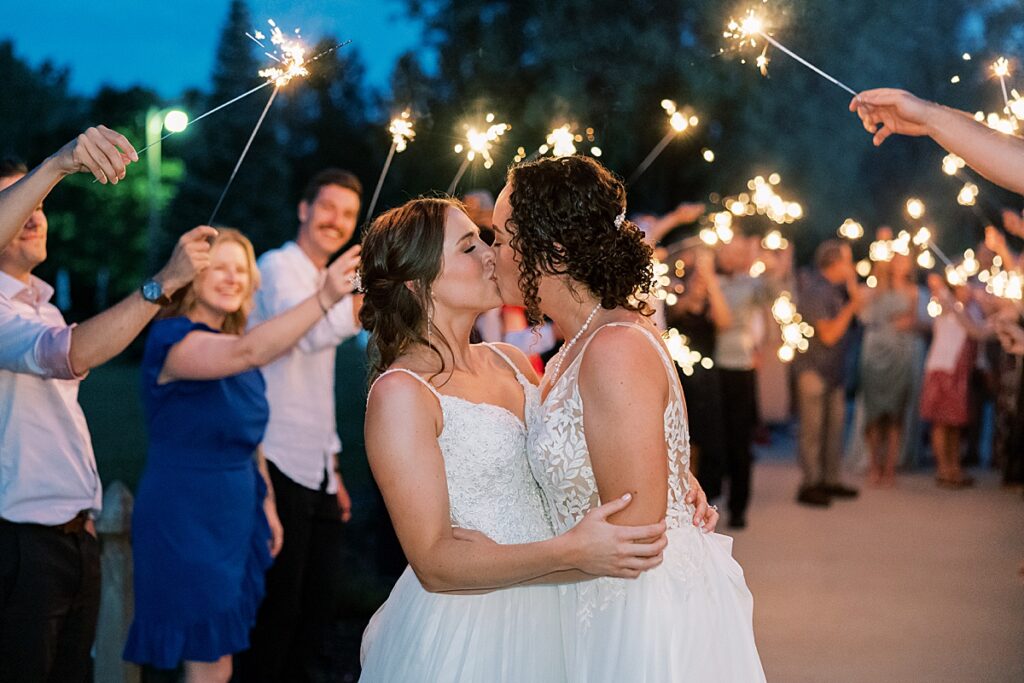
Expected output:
(620, 219)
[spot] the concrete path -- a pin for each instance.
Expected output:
(910, 584)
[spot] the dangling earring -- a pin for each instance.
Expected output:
(430, 322)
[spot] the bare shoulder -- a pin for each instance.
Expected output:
(521, 360)
(399, 396)
(622, 356)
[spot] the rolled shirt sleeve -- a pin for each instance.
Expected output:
(35, 347)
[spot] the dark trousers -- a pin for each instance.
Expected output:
(703, 393)
(739, 411)
(302, 588)
(49, 601)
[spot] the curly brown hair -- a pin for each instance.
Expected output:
(403, 254)
(563, 223)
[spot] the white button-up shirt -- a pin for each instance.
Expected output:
(47, 467)
(302, 435)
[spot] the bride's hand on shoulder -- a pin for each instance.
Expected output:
(606, 549)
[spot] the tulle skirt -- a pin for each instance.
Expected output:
(513, 635)
(690, 619)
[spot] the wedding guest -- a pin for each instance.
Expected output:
(998, 157)
(946, 392)
(698, 313)
(735, 358)
(50, 492)
(828, 299)
(887, 363)
(302, 446)
(99, 150)
(204, 527)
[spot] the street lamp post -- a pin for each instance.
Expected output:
(156, 120)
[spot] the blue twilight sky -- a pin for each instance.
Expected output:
(169, 45)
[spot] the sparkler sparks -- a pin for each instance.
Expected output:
(679, 120)
(794, 330)
(774, 241)
(289, 53)
(1001, 70)
(561, 142)
(478, 143)
(686, 358)
(752, 26)
(915, 208)
(402, 132)
(401, 129)
(851, 230)
(968, 195)
(952, 164)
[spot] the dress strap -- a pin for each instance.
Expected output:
(504, 356)
(412, 374)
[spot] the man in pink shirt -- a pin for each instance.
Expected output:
(49, 488)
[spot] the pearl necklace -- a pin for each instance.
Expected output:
(565, 348)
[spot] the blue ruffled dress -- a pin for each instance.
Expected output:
(199, 535)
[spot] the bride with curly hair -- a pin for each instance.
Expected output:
(612, 421)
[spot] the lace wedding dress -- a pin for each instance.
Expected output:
(689, 619)
(511, 635)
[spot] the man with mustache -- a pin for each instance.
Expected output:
(50, 490)
(301, 445)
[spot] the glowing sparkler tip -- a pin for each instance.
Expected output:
(1001, 67)
(290, 54)
(851, 229)
(951, 164)
(915, 208)
(401, 129)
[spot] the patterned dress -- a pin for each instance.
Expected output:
(690, 619)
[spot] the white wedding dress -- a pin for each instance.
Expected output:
(511, 635)
(690, 619)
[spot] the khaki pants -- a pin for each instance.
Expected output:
(822, 410)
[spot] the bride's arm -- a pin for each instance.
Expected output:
(402, 425)
(624, 387)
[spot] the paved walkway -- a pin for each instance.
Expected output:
(910, 584)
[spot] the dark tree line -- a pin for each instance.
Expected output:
(537, 64)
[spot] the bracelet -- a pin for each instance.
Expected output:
(320, 303)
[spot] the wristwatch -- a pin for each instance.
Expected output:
(153, 292)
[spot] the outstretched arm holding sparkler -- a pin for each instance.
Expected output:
(101, 151)
(994, 155)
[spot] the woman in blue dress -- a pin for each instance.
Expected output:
(204, 528)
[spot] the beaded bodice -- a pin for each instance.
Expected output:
(490, 485)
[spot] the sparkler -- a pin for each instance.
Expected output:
(401, 134)
(241, 157)
(678, 122)
(795, 331)
(290, 56)
(561, 142)
(764, 200)
(478, 143)
(686, 358)
(1001, 69)
(752, 26)
(851, 230)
